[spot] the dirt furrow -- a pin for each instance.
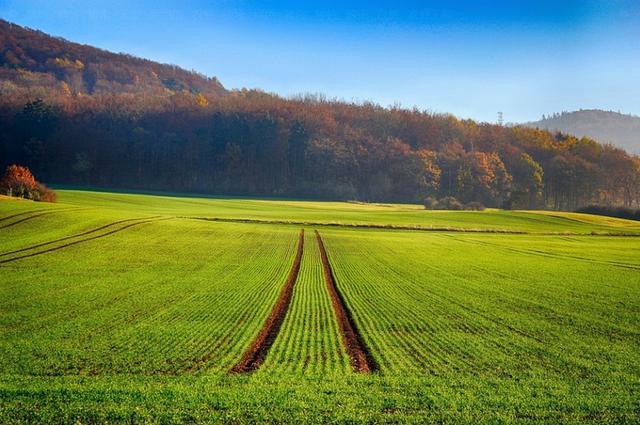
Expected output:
(33, 254)
(254, 356)
(361, 359)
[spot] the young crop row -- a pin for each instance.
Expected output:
(171, 323)
(255, 354)
(34, 227)
(309, 341)
(188, 299)
(474, 327)
(71, 240)
(185, 297)
(433, 305)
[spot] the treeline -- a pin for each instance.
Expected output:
(252, 143)
(78, 115)
(618, 212)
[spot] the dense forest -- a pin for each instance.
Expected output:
(132, 123)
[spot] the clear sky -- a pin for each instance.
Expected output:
(470, 58)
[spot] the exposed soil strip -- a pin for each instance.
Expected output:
(361, 359)
(254, 356)
(77, 235)
(33, 254)
(409, 227)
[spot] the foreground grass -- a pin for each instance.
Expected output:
(136, 314)
(290, 398)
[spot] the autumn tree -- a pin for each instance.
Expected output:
(528, 183)
(483, 177)
(18, 181)
(618, 176)
(448, 161)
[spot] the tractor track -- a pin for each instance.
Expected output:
(361, 359)
(27, 218)
(77, 235)
(9, 217)
(33, 254)
(256, 353)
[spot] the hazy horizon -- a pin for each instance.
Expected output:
(472, 60)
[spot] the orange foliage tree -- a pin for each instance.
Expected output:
(18, 181)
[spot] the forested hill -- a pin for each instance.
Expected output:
(605, 126)
(31, 59)
(82, 116)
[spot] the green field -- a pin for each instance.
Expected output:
(127, 307)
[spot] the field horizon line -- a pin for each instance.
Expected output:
(375, 226)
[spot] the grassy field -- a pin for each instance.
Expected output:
(126, 307)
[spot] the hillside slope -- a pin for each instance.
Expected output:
(34, 60)
(77, 115)
(605, 126)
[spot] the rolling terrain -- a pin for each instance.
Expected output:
(140, 307)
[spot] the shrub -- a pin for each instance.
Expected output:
(45, 194)
(430, 203)
(474, 206)
(449, 203)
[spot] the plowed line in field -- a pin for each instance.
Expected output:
(77, 242)
(361, 359)
(77, 235)
(254, 356)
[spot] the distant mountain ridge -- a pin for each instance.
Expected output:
(619, 129)
(37, 61)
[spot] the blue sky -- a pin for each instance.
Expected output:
(469, 58)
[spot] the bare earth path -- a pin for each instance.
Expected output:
(254, 356)
(361, 359)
